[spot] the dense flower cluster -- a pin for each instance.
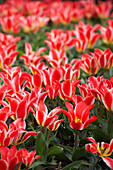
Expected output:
(22, 14)
(51, 75)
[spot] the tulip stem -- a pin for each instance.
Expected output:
(102, 71)
(53, 104)
(76, 139)
(97, 106)
(111, 123)
(107, 115)
(96, 163)
(83, 134)
(42, 129)
(33, 121)
(48, 136)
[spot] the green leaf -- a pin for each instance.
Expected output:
(80, 153)
(36, 164)
(41, 146)
(75, 164)
(99, 135)
(109, 126)
(55, 150)
(51, 138)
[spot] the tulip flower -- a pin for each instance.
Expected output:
(26, 157)
(13, 135)
(107, 34)
(55, 58)
(104, 59)
(8, 159)
(89, 99)
(52, 90)
(42, 117)
(51, 77)
(103, 9)
(89, 64)
(20, 107)
(7, 57)
(107, 94)
(42, 21)
(79, 117)
(31, 56)
(10, 24)
(86, 36)
(71, 72)
(58, 39)
(67, 89)
(102, 149)
(84, 89)
(55, 125)
(29, 23)
(8, 39)
(96, 86)
(11, 157)
(89, 8)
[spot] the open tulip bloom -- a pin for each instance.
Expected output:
(44, 119)
(79, 117)
(102, 149)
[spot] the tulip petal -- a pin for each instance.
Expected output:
(92, 119)
(27, 135)
(108, 161)
(3, 165)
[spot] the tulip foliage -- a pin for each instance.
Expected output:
(56, 84)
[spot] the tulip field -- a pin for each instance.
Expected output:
(56, 85)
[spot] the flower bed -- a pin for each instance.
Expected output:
(56, 88)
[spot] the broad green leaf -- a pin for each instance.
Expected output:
(41, 146)
(75, 164)
(99, 135)
(51, 138)
(55, 150)
(36, 164)
(80, 153)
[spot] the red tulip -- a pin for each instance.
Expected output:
(71, 72)
(56, 58)
(55, 125)
(86, 36)
(107, 94)
(89, 64)
(11, 157)
(7, 57)
(84, 89)
(10, 24)
(20, 106)
(42, 117)
(50, 78)
(13, 135)
(8, 159)
(8, 39)
(58, 39)
(89, 99)
(29, 23)
(104, 59)
(26, 157)
(107, 34)
(103, 9)
(31, 56)
(67, 89)
(103, 150)
(79, 117)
